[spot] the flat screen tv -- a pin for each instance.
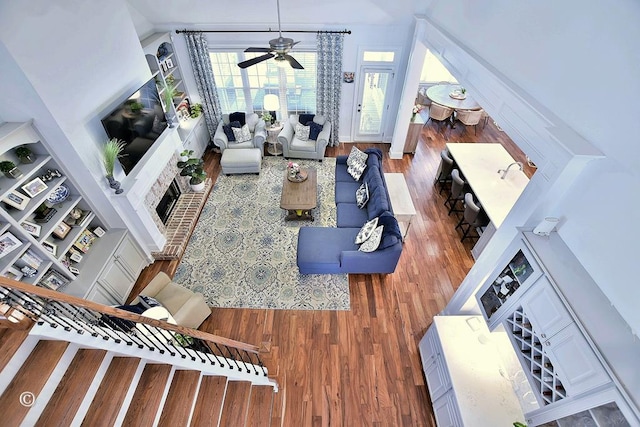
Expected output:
(138, 122)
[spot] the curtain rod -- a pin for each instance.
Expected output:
(345, 31)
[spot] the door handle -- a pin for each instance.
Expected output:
(359, 107)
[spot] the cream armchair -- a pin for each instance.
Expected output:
(292, 146)
(257, 128)
(187, 308)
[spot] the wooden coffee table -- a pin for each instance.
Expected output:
(298, 198)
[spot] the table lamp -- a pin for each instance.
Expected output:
(272, 104)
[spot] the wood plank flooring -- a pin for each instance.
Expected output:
(362, 367)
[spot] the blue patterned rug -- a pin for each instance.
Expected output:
(242, 253)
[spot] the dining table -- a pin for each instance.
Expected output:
(483, 165)
(447, 95)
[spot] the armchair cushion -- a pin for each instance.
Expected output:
(239, 116)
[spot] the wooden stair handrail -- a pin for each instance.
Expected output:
(123, 314)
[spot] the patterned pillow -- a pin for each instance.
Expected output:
(242, 134)
(148, 302)
(362, 195)
(366, 231)
(302, 132)
(314, 130)
(356, 170)
(371, 244)
(357, 156)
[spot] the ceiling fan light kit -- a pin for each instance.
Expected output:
(278, 50)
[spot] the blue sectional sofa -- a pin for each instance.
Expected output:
(332, 250)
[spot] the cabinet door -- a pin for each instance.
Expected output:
(102, 296)
(202, 137)
(130, 257)
(437, 378)
(577, 365)
(545, 309)
(117, 280)
(446, 411)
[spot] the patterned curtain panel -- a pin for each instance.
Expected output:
(330, 80)
(199, 54)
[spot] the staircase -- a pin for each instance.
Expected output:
(57, 375)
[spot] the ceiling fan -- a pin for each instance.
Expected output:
(278, 49)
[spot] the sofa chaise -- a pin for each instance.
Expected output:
(332, 250)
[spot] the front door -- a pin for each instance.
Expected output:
(373, 103)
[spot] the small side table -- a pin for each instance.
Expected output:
(272, 138)
(401, 202)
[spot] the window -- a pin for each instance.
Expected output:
(433, 71)
(369, 56)
(244, 89)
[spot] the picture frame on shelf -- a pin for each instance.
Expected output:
(34, 187)
(50, 247)
(31, 228)
(8, 243)
(85, 241)
(53, 280)
(61, 230)
(98, 231)
(74, 270)
(13, 273)
(169, 63)
(75, 257)
(16, 200)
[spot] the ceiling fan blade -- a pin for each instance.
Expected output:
(254, 61)
(258, 49)
(292, 61)
(294, 43)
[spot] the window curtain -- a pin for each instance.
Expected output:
(201, 63)
(329, 77)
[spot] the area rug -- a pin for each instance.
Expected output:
(242, 253)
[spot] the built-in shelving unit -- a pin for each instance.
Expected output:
(165, 67)
(49, 234)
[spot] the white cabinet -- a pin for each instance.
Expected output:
(121, 272)
(462, 368)
(197, 138)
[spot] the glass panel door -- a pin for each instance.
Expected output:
(371, 113)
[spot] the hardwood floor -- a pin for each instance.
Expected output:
(362, 367)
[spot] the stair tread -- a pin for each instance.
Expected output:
(260, 406)
(63, 405)
(236, 403)
(31, 377)
(177, 407)
(148, 395)
(113, 389)
(208, 405)
(10, 342)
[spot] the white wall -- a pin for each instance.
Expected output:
(569, 58)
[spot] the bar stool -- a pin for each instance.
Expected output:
(458, 187)
(473, 217)
(443, 175)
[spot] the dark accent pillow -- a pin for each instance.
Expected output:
(390, 231)
(235, 124)
(149, 302)
(238, 116)
(231, 137)
(314, 130)
(304, 119)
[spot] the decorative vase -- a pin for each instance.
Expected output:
(114, 184)
(14, 173)
(27, 159)
(197, 188)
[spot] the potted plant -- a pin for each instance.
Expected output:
(25, 155)
(193, 169)
(196, 110)
(168, 94)
(185, 155)
(111, 151)
(10, 170)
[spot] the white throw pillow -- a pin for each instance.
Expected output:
(366, 231)
(242, 134)
(357, 156)
(302, 132)
(372, 243)
(356, 170)
(362, 195)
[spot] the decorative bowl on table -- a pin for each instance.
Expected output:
(298, 177)
(457, 94)
(58, 195)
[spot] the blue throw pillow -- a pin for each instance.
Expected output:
(390, 231)
(231, 137)
(314, 130)
(305, 118)
(238, 116)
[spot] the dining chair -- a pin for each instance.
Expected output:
(458, 188)
(443, 175)
(473, 218)
(439, 113)
(469, 118)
